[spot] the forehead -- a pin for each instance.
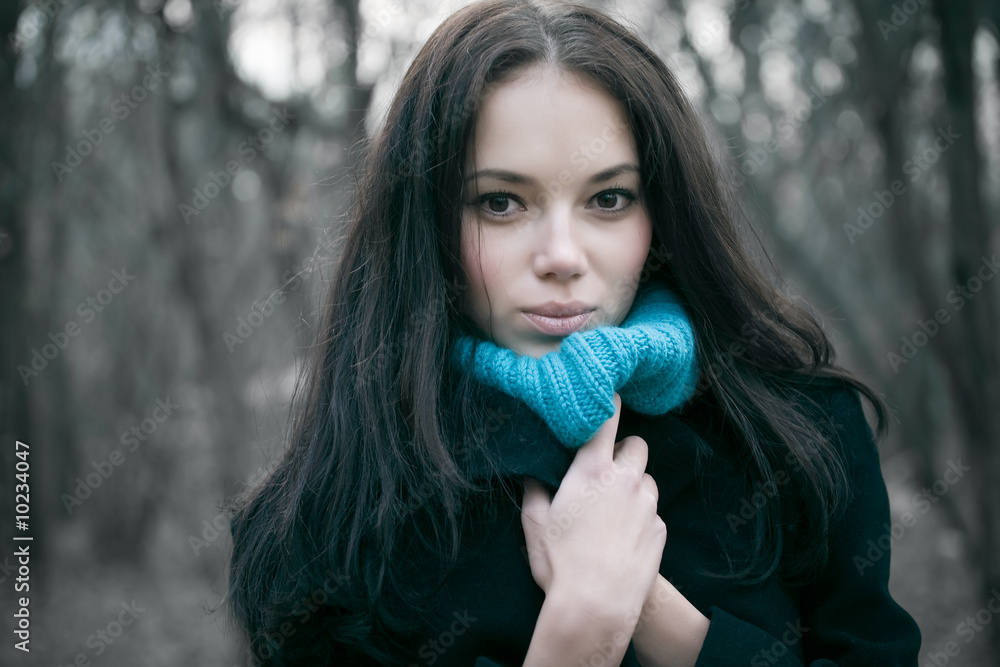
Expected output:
(545, 118)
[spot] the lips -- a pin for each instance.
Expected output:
(560, 319)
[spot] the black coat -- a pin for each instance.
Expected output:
(845, 616)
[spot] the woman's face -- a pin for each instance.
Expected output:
(554, 236)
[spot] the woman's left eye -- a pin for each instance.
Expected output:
(614, 201)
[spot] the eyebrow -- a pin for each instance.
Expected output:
(520, 179)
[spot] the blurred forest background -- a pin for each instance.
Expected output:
(173, 178)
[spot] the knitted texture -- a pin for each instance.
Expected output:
(649, 359)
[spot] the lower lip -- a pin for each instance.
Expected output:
(558, 326)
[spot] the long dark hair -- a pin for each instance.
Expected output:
(371, 474)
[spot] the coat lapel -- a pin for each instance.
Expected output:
(523, 444)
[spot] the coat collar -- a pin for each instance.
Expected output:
(523, 444)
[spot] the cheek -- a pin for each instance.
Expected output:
(635, 248)
(630, 252)
(482, 257)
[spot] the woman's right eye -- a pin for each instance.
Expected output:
(497, 204)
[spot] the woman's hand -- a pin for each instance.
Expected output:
(670, 631)
(598, 543)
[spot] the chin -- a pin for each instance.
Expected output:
(536, 350)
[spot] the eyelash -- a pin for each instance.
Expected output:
(622, 192)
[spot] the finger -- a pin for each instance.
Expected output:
(632, 451)
(602, 443)
(649, 485)
(536, 501)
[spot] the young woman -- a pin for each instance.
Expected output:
(556, 416)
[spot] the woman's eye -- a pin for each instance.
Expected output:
(497, 204)
(503, 204)
(607, 199)
(614, 201)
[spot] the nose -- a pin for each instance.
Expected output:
(560, 252)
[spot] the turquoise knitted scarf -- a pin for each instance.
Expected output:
(649, 359)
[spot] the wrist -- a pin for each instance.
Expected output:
(583, 606)
(571, 628)
(671, 630)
